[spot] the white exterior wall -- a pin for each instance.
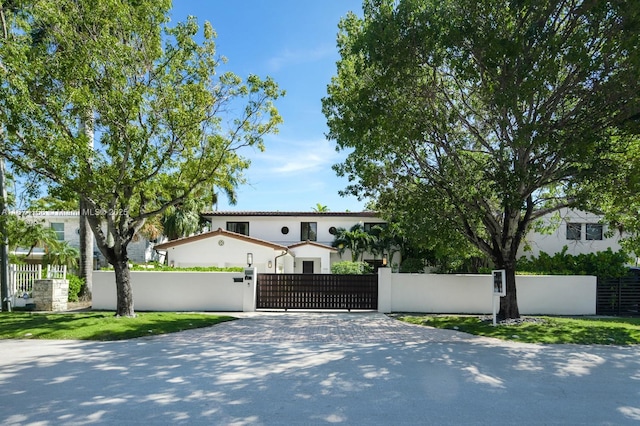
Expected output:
(269, 227)
(472, 294)
(209, 252)
(139, 251)
(321, 258)
(173, 291)
(425, 293)
(554, 242)
(71, 221)
(557, 294)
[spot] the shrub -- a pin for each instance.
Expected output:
(351, 268)
(158, 267)
(412, 265)
(75, 285)
(601, 264)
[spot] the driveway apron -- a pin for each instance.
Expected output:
(316, 368)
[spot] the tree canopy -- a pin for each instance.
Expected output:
(474, 118)
(617, 195)
(166, 125)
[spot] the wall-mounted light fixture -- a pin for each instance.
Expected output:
(269, 264)
(384, 260)
(249, 259)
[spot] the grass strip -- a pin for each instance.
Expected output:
(551, 330)
(99, 325)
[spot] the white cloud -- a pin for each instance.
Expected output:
(304, 156)
(300, 56)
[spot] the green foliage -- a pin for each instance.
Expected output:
(61, 253)
(100, 325)
(617, 194)
(75, 286)
(167, 125)
(461, 119)
(320, 208)
(158, 267)
(601, 264)
(351, 268)
(182, 220)
(356, 239)
(51, 203)
(412, 265)
(588, 331)
(28, 234)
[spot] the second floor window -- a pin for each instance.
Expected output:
(594, 231)
(309, 231)
(574, 231)
(58, 228)
(371, 226)
(238, 227)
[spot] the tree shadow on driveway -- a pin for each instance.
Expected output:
(280, 377)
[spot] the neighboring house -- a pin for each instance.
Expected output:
(582, 232)
(279, 242)
(66, 224)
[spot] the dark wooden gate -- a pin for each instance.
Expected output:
(317, 291)
(618, 296)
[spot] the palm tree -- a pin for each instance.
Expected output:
(319, 208)
(182, 220)
(355, 239)
(62, 253)
(389, 240)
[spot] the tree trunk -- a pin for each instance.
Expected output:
(86, 234)
(509, 303)
(124, 292)
(4, 245)
(86, 252)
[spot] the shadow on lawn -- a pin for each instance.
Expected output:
(99, 325)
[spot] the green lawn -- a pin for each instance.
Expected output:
(587, 331)
(99, 325)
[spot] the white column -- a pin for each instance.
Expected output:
(384, 290)
(249, 299)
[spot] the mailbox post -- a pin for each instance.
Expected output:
(249, 299)
(499, 289)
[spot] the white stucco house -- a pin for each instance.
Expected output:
(582, 232)
(66, 224)
(300, 242)
(276, 242)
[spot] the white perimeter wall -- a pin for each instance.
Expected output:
(472, 294)
(173, 291)
(426, 293)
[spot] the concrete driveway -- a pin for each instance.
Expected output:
(316, 368)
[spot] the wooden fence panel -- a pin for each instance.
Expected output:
(618, 296)
(317, 291)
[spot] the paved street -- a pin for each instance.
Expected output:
(316, 368)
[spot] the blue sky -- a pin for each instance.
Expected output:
(294, 42)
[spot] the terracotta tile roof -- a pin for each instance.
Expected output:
(219, 231)
(312, 243)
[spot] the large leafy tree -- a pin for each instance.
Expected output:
(166, 126)
(482, 115)
(617, 196)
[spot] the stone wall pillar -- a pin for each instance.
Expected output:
(51, 294)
